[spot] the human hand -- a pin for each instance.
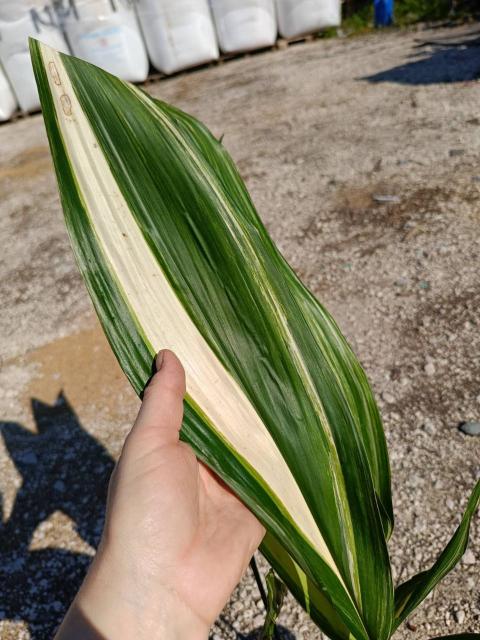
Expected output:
(176, 540)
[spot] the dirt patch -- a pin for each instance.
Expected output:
(27, 164)
(82, 367)
(364, 207)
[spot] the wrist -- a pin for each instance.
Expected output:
(112, 605)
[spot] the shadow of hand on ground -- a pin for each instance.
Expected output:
(438, 65)
(63, 468)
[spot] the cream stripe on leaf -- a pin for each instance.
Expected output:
(174, 255)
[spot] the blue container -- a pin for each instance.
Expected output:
(383, 12)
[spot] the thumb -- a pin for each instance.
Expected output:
(161, 412)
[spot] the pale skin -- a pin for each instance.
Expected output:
(176, 541)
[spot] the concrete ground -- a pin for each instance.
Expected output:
(321, 132)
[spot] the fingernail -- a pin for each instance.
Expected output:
(159, 360)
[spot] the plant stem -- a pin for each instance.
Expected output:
(261, 589)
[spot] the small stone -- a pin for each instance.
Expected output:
(470, 428)
(428, 427)
(247, 614)
(455, 153)
(429, 369)
(258, 621)
(415, 481)
(468, 557)
(236, 606)
(386, 198)
(388, 398)
(459, 616)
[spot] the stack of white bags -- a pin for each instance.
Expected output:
(20, 19)
(122, 35)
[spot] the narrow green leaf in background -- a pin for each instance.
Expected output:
(411, 593)
(175, 256)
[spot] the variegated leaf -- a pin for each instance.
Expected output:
(175, 256)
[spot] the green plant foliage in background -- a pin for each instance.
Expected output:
(358, 14)
(175, 256)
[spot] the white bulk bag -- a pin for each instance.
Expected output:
(298, 17)
(107, 34)
(243, 25)
(15, 55)
(11, 10)
(8, 103)
(179, 33)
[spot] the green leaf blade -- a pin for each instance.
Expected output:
(411, 593)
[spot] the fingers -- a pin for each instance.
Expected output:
(161, 412)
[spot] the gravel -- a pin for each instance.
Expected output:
(317, 130)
